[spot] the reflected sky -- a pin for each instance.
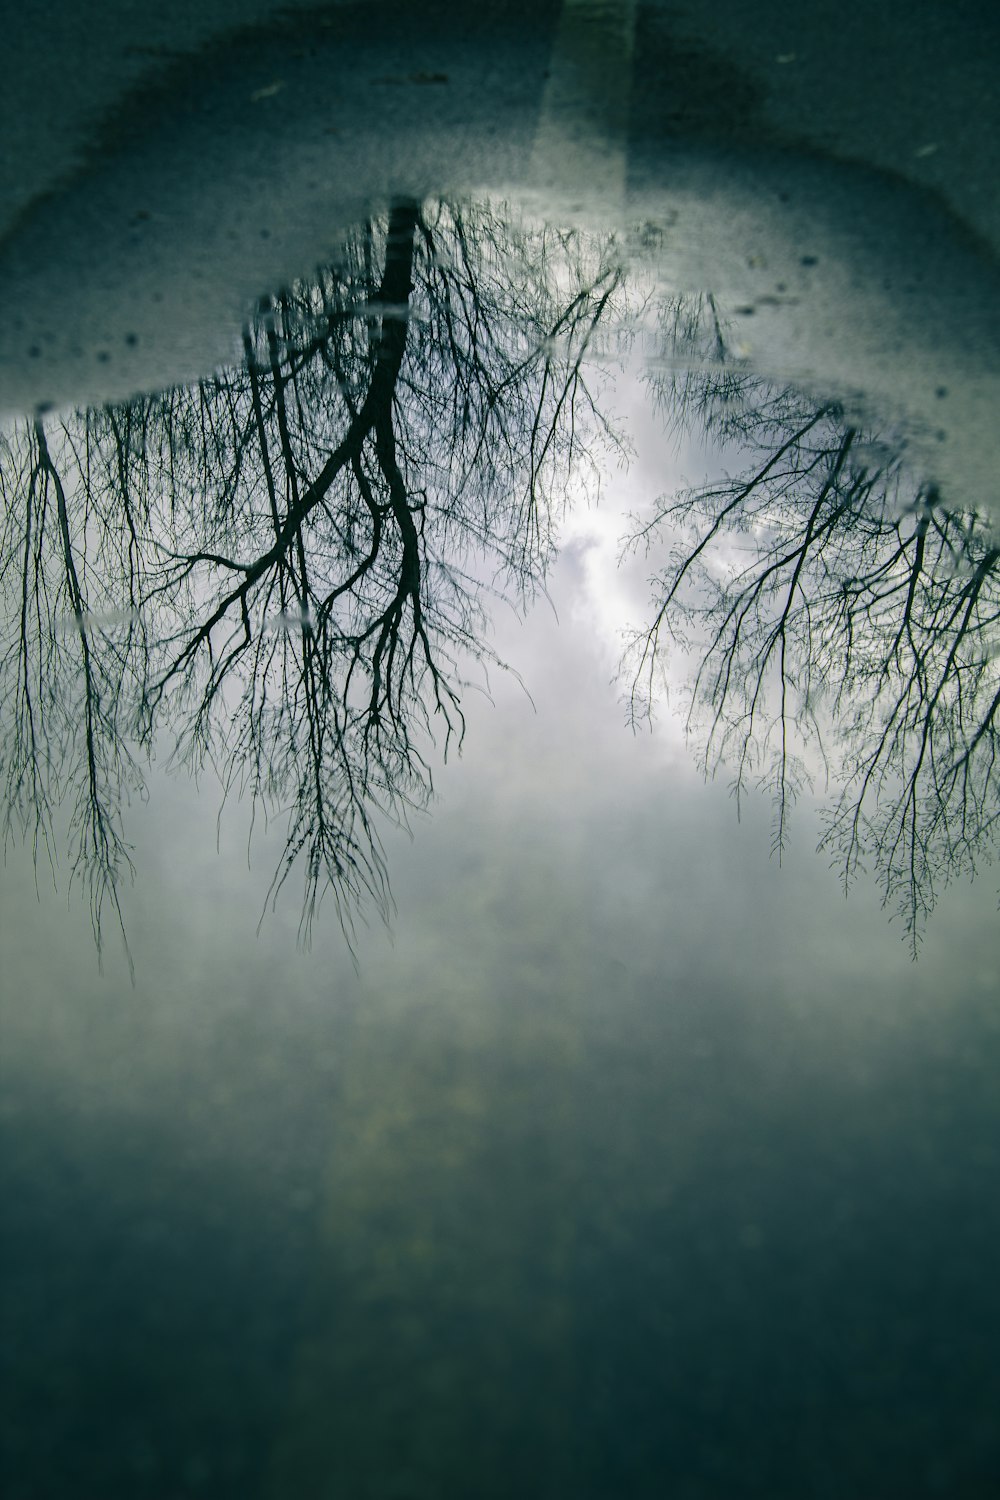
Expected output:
(623, 1150)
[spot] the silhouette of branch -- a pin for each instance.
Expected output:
(842, 621)
(304, 545)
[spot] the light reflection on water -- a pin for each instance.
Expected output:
(633, 1153)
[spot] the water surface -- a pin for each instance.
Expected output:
(522, 772)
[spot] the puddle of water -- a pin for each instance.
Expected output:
(484, 1090)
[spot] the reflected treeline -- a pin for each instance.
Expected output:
(283, 571)
(841, 618)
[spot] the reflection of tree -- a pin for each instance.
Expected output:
(288, 563)
(64, 670)
(830, 600)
